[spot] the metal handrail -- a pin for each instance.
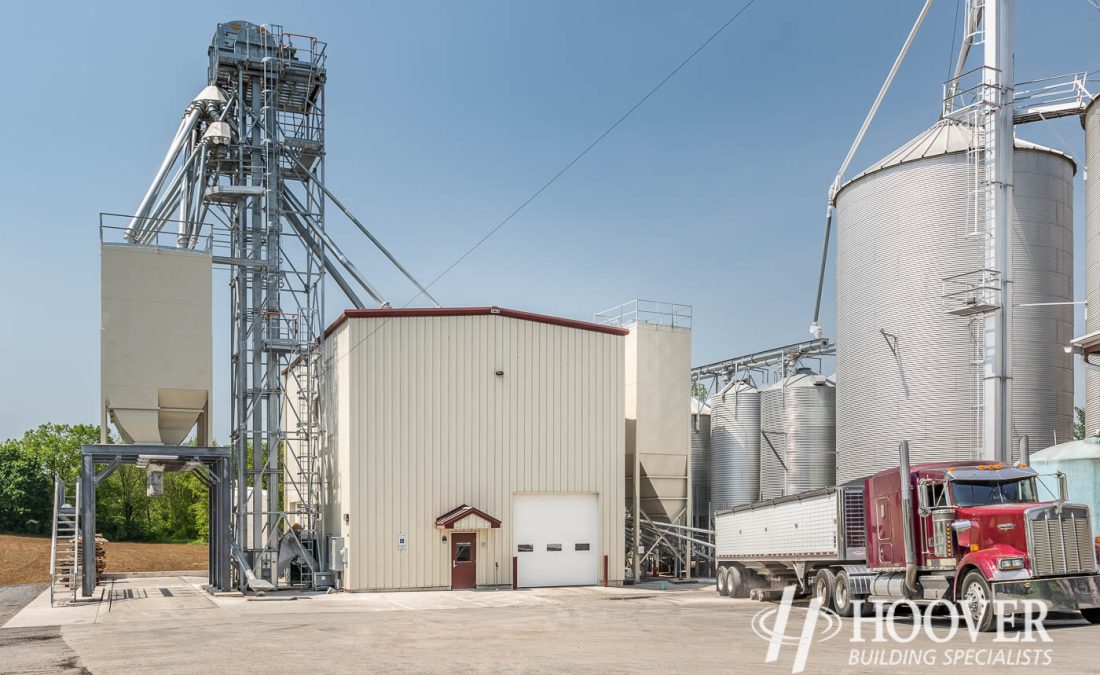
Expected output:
(53, 537)
(652, 312)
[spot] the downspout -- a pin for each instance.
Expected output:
(907, 518)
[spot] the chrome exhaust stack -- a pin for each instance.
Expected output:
(907, 517)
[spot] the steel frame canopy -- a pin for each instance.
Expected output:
(211, 465)
(246, 169)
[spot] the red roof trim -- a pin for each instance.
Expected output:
(472, 311)
(448, 519)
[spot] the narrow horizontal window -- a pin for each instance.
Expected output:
(581, 547)
(526, 548)
(553, 547)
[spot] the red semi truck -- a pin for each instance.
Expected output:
(963, 532)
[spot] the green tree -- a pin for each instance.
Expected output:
(1079, 431)
(56, 447)
(26, 492)
(700, 391)
(122, 507)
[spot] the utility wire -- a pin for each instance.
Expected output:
(562, 171)
(584, 152)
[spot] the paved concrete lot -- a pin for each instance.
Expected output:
(168, 624)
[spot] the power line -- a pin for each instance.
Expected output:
(584, 152)
(565, 168)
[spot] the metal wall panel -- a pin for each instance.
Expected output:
(423, 424)
(909, 371)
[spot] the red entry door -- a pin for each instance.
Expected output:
(463, 560)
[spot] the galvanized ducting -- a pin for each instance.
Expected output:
(700, 463)
(734, 446)
(1092, 260)
(797, 435)
(909, 370)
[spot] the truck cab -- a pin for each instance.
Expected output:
(979, 533)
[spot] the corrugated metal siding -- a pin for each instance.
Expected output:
(431, 426)
(900, 231)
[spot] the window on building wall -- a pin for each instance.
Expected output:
(553, 547)
(526, 548)
(581, 547)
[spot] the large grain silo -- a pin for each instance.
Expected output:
(797, 435)
(700, 463)
(908, 369)
(734, 445)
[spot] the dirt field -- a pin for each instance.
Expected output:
(26, 560)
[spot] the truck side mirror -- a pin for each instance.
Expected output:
(1063, 487)
(924, 499)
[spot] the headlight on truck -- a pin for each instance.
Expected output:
(1010, 564)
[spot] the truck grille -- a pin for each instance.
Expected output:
(855, 534)
(1061, 545)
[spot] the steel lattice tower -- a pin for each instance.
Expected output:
(267, 187)
(243, 179)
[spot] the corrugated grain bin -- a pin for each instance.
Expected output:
(797, 435)
(1080, 461)
(735, 445)
(911, 371)
(700, 462)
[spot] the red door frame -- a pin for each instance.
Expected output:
(463, 574)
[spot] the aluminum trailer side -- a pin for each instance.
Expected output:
(764, 546)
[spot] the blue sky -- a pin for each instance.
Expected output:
(445, 116)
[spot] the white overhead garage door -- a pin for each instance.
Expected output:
(554, 539)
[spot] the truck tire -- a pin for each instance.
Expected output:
(823, 585)
(721, 581)
(735, 583)
(1091, 615)
(842, 596)
(976, 597)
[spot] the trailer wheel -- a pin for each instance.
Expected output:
(722, 581)
(823, 587)
(1091, 615)
(975, 597)
(735, 583)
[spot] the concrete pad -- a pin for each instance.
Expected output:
(551, 630)
(118, 601)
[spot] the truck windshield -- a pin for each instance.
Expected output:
(981, 493)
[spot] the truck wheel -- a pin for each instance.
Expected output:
(824, 582)
(976, 598)
(1091, 615)
(721, 581)
(735, 583)
(842, 596)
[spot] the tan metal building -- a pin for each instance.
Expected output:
(472, 446)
